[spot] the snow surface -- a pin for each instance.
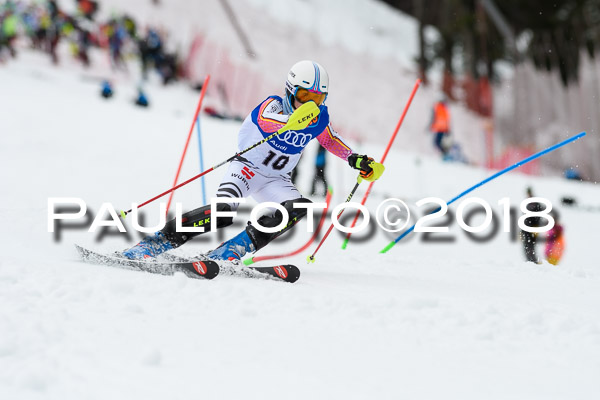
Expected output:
(425, 321)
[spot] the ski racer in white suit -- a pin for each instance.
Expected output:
(264, 172)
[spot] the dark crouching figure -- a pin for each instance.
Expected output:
(529, 239)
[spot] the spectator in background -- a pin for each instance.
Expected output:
(116, 34)
(150, 51)
(9, 24)
(87, 8)
(53, 9)
(54, 29)
(167, 67)
(529, 239)
(320, 162)
(555, 242)
(82, 41)
(31, 21)
(130, 26)
(440, 124)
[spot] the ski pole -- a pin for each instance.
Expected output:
(311, 258)
(252, 260)
(187, 142)
(298, 120)
(385, 153)
(497, 174)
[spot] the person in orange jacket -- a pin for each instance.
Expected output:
(440, 124)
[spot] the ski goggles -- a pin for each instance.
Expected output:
(303, 95)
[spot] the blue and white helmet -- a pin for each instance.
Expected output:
(310, 76)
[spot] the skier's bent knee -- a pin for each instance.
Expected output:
(200, 217)
(261, 239)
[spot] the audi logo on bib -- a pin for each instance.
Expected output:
(295, 139)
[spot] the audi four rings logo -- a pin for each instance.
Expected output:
(296, 139)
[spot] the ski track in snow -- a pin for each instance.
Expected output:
(424, 321)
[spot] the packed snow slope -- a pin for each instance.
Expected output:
(459, 320)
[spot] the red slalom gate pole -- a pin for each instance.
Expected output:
(385, 153)
(187, 142)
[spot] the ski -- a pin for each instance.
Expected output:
(285, 272)
(200, 268)
(204, 269)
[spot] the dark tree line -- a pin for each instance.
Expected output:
(556, 31)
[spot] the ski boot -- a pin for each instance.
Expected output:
(233, 249)
(149, 247)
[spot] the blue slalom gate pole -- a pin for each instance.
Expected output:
(497, 174)
(201, 159)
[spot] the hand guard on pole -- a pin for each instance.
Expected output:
(370, 170)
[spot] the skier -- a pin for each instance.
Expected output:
(264, 172)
